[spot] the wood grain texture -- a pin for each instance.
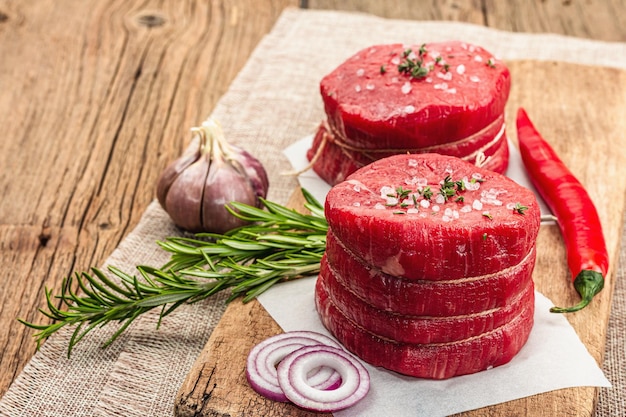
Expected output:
(582, 120)
(601, 20)
(97, 97)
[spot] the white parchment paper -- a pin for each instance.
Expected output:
(296, 154)
(553, 358)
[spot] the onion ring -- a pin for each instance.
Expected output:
(292, 374)
(264, 357)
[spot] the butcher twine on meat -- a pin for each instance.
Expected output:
(376, 107)
(428, 267)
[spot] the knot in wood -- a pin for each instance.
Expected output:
(151, 20)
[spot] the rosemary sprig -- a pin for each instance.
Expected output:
(280, 244)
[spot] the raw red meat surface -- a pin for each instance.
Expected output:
(426, 298)
(335, 162)
(382, 214)
(434, 360)
(459, 96)
(373, 107)
(420, 329)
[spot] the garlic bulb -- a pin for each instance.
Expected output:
(195, 188)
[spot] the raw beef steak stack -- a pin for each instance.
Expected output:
(445, 98)
(428, 265)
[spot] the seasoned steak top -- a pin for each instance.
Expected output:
(422, 94)
(430, 216)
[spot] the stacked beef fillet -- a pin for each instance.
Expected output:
(446, 98)
(430, 286)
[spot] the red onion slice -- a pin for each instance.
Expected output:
(264, 357)
(292, 377)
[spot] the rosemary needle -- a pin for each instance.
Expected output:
(279, 245)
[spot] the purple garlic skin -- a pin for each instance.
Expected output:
(195, 188)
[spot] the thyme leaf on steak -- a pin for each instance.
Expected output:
(520, 209)
(422, 51)
(280, 244)
(448, 188)
(399, 197)
(439, 61)
(402, 193)
(427, 193)
(413, 67)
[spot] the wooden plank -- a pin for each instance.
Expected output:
(462, 10)
(574, 106)
(600, 20)
(218, 386)
(97, 97)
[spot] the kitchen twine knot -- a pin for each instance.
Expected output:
(481, 160)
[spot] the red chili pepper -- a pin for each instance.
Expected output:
(576, 214)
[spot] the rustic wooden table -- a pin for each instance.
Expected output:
(94, 98)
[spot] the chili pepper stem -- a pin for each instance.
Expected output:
(588, 283)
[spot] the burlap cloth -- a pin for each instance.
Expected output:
(273, 102)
